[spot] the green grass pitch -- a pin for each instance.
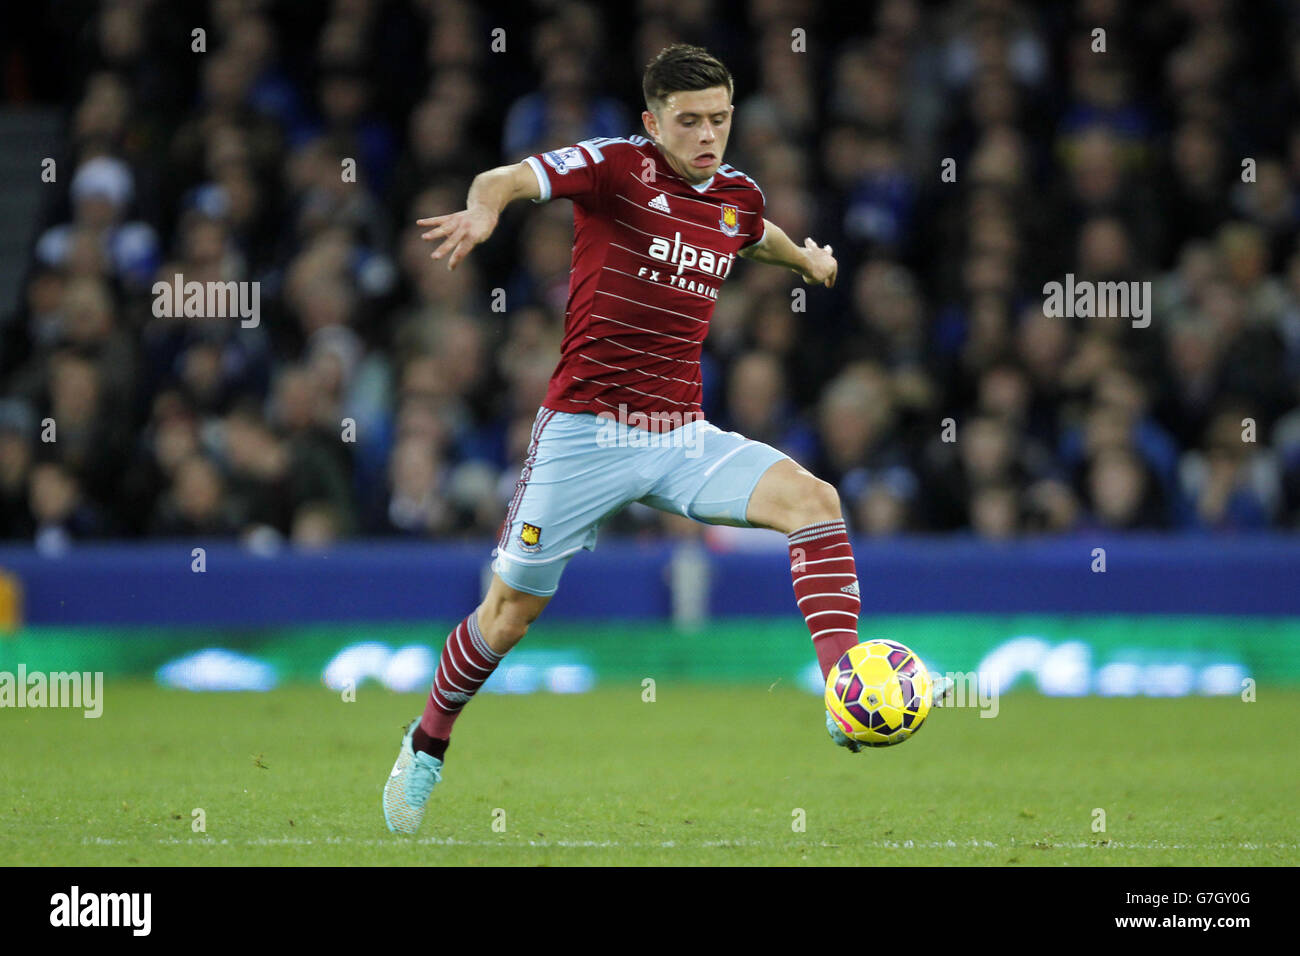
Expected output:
(702, 775)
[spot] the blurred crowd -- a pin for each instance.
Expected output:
(382, 395)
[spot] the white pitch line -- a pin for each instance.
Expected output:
(674, 844)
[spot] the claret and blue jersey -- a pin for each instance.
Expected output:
(621, 421)
(650, 253)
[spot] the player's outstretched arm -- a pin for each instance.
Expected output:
(488, 195)
(815, 263)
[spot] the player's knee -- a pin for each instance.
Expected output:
(815, 501)
(503, 620)
(506, 632)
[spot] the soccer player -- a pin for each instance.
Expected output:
(658, 223)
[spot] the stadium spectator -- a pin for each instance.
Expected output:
(102, 189)
(60, 511)
(194, 507)
(17, 436)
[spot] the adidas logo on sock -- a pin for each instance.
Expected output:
(660, 202)
(850, 588)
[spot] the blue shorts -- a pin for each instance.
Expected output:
(582, 468)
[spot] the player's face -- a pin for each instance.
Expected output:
(691, 131)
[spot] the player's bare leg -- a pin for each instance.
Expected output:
(789, 497)
(792, 500)
(806, 509)
(505, 614)
(470, 655)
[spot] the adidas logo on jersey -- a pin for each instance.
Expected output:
(850, 588)
(660, 202)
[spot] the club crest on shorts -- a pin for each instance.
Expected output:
(730, 221)
(530, 537)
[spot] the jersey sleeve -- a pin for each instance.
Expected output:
(759, 232)
(571, 171)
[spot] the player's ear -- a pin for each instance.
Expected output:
(650, 123)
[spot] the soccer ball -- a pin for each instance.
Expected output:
(878, 693)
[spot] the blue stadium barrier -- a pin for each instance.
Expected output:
(1144, 575)
(153, 584)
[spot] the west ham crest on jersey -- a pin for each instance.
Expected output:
(530, 537)
(730, 221)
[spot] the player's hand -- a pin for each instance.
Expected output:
(821, 265)
(460, 232)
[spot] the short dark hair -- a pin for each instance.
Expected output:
(680, 68)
